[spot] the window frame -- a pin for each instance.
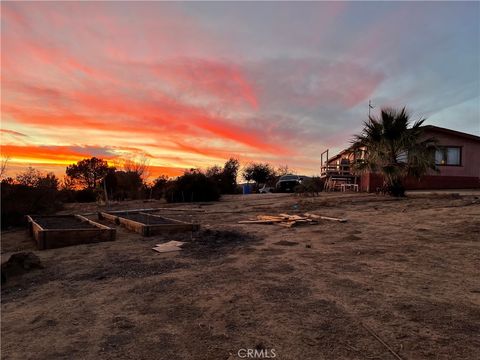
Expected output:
(445, 147)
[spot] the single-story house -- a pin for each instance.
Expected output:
(457, 158)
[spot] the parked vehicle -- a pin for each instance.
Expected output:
(287, 183)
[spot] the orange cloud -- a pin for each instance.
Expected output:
(55, 158)
(138, 116)
(46, 154)
(152, 77)
(12, 132)
(157, 171)
(15, 168)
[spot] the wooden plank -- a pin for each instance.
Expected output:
(293, 217)
(38, 235)
(172, 242)
(265, 219)
(127, 223)
(261, 221)
(60, 238)
(163, 228)
(174, 226)
(325, 217)
(333, 219)
(55, 238)
(132, 211)
(166, 249)
(151, 229)
(168, 246)
(285, 220)
(106, 216)
(268, 217)
(288, 224)
(175, 221)
(91, 222)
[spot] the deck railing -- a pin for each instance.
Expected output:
(336, 169)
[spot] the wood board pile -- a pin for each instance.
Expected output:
(288, 220)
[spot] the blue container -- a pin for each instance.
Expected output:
(246, 189)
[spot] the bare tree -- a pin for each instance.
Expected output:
(30, 177)
(3, 165)
(138, 164)
(67, 183)
(283, 170)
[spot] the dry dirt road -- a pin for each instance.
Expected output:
(405, 271)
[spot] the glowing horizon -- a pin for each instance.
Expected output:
(189, 85)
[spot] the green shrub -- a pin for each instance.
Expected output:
(311, 186)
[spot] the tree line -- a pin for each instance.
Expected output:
(93, 179)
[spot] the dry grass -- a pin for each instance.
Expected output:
(408, 269)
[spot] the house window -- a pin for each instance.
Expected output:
(448, 155)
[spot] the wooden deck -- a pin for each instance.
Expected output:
(336, 170)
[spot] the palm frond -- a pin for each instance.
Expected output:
(390, 138)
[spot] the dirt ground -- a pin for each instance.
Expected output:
(62, 223)
(405, 271)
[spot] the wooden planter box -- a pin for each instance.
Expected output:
(57, 231)
(147, 224)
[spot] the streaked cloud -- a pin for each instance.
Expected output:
(191, 84)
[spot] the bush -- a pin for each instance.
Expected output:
(157, 190)
(80, 196)
(311, 186)
(85, 196)
(20, 200)
(260, 173)
(191, 187)
(226, 177)
(67, 195)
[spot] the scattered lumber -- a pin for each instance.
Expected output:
(261, 221)
(288, 224)
(285, 220)
(288, 220)
(292, 217)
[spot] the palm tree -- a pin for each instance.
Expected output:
(394, 149)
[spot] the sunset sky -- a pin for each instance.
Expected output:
(191, 84)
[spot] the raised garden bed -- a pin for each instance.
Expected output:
(147, 224)
(57, 231)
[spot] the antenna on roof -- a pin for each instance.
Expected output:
(370, 107)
